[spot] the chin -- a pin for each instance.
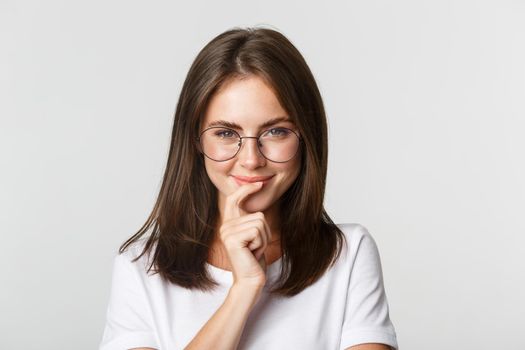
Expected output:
(254, 204)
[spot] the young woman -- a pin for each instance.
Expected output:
(242, 254)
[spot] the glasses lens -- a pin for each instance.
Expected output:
(277, 144)
(219, 143)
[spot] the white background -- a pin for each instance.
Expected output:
(426, 108)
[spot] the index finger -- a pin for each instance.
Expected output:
(234, 201)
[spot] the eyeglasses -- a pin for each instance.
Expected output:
(278, 145)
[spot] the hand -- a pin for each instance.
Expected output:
(245, 238)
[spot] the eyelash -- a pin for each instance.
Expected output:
(283, 132)
(221, 133)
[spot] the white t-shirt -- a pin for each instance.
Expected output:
(345, 307)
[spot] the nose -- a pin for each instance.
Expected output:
(249, 155)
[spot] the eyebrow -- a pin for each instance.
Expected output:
(232, 125)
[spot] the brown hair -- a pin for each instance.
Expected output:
(185, 213)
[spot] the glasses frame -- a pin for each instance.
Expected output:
(201, 148)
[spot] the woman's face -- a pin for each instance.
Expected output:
(249, 103)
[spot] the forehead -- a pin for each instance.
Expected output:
(245, 104)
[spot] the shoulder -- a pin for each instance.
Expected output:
(132, 256)
(358, 240)
(355, 232)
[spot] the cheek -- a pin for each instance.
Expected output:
(217, 172)
(289, 176)
(295, 168)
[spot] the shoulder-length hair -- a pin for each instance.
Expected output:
(185, 213)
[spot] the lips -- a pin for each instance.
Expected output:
(250, 179)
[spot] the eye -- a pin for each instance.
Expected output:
(278, 132)
(225, 133)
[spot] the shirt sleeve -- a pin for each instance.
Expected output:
(366, 318)
(128, 319)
